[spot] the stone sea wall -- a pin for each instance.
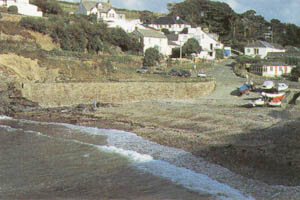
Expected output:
(67, 94)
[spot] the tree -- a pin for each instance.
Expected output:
(49, 6)
(191, 46)
(0, 15)
(12, 9)
(165, 31)
(296, 73)
(151, 58)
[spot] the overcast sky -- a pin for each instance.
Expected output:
(287, 11)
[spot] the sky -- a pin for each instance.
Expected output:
(286, 11)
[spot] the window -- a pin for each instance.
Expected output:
(271, 68)
(248, 50)
(211, 46)
(256, 51)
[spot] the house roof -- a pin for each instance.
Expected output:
(171, 43)
(169, 20)
(172, 37)
(106, 7)
(151, 33)
(264, 44)
(283, 54)
(89, 4)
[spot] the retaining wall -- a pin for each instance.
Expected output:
(67, 94)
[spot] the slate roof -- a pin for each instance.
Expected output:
(92, 4)
(151, 33)
(172, 37)
(89, 4)
(171, 43)
(169, 20)
(264, 44)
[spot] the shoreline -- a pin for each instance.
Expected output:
(182, 134)
(86, 116)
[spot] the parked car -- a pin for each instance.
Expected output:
(201, 75)
(143, 70)
(181, 73)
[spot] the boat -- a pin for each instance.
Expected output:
(282, 86)
(268, 85)
(273, 95)
(258, 102)
(274, 103)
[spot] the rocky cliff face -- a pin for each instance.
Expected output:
(11, 100)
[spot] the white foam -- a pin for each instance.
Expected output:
(182, 176)
(158, 160)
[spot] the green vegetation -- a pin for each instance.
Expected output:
(48, 6)
(80, 33)
(235, 29)
(219, 53)
(12, 9)
(152, 57)
(191, 46)
(296, 73)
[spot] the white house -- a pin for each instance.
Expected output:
(208, 42)
(173, 24)
(262, 48)
(103, 10)
(153, 39)
(271, 69)
(24, 7)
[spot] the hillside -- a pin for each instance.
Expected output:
(235, 29)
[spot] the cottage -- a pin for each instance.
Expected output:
(24, 7)
(103, 10)
(208, 41)
(271, 69)
(173, 24)
(262, 48)
(153, 39)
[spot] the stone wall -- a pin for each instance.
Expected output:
(67, 94)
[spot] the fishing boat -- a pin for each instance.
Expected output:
(274, 103)
(282, 86)
(268, 85)
(258, 102)
(279, 95)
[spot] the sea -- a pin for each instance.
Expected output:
(40, 160)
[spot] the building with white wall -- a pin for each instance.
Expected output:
(24, 7)
(173, 24)
(262, 48)
(153, 39)
(103, 10)
(271, 69)
(209, 42)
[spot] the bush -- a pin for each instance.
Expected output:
(219, 53)
(0, 15)
(295, 75)
(40, 25)
(49, 6)
(151, 58)
(191, 46)
(12, 9)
